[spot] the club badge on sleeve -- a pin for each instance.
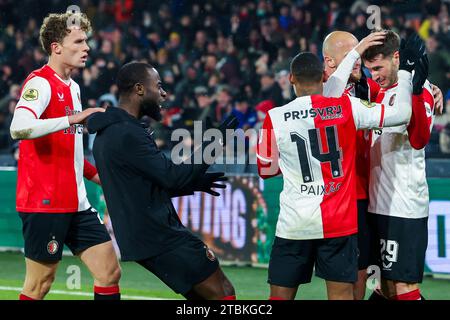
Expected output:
(30, 95)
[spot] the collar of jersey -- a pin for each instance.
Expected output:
(390, 87)
(57, 76)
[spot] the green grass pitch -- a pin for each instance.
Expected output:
(138, 283)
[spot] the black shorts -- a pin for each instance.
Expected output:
(46, 233)
(364, 235)
(185, 266)
(398, 247)
(292, 261)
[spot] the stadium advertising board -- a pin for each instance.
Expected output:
(240, 224)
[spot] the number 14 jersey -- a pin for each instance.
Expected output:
(312, 142)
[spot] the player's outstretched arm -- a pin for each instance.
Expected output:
(152, 164)
(25, 124)
(374, 115)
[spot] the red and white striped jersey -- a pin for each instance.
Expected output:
(312, 141)
(398, 185)
(50, 168)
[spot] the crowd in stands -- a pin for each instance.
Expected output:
(214, 57)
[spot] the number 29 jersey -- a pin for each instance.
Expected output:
(312, 142)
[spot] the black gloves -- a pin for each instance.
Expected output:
(420, 74)
(362, 88)
(207, 182)
(410, 52)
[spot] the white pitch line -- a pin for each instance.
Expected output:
(85, 294)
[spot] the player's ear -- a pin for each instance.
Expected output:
(291, 78)
(396, 58)
(329, 62)
(139, 89)
(56, 47)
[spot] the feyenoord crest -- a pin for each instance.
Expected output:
(52, 247)
(210, 254)
(392, 100)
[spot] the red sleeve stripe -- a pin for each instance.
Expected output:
(382, 116)
(29, 109)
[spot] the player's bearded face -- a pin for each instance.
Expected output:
(383, 70)
(355, 76)
(153, 97)
(150, 107)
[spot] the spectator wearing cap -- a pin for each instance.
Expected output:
(203, 103)
(174, 45)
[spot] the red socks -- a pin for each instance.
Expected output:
(412, 295)
(276, 298)
(229, 298)
(24, 297)
(107, 293)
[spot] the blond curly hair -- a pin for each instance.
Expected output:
(56, 26)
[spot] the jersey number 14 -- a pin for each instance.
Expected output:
(333, 156)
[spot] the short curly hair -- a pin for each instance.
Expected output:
(55, 28)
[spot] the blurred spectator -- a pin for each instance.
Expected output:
(218, 47)
(270, 89)
(439, 63)
(243, 112)
(222, 105)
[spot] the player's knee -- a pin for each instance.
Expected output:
(109, 277)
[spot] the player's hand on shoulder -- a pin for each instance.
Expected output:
(82, 116)
(438, 99)
(373, 39)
